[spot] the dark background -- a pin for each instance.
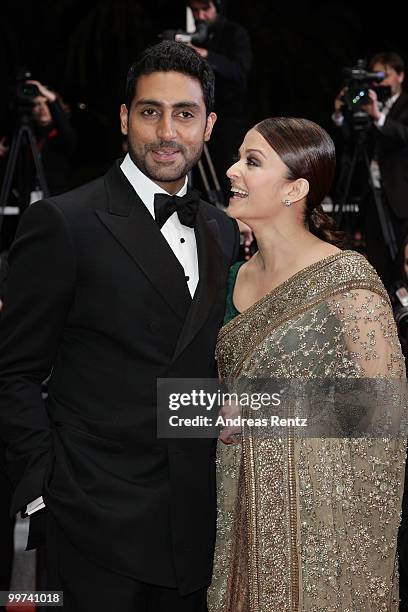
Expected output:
(83, 49)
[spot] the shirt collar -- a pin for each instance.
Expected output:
(145, 187)
(392, 100)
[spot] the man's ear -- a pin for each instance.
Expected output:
(211, 119)
(298, 190)
(124, 119)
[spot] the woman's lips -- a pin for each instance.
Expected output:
(237, 196)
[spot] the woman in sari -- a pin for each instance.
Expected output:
(304, 523)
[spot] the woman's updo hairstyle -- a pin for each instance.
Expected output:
(309, 153)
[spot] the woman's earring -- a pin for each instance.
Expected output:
(287, 202)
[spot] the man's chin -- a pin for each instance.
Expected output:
(166, 175)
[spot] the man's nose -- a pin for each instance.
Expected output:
(166, 128)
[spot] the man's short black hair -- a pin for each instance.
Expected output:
(389, 58)
(206, 3)
(169, 56)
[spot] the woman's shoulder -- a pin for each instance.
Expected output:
(353, 268)
(354, 263)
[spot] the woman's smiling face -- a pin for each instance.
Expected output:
(259, 180)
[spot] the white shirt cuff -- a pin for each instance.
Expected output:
(35, 505)
(337, 119)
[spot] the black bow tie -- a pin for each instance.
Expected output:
(185, 206)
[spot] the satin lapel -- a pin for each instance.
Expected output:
(133, 227)
(211, 266)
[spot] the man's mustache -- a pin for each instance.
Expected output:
(164, 144)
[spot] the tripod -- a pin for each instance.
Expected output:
(361, 131)
(215, 196)
(23, 135)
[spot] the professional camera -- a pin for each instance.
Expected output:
(24, 92)
(399, 300)
(359, 81)
(195, 38)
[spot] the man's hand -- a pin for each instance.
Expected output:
(339, 102)
(44, 91)
(4, 149)
(230, 434)
(247, 236)
(200, 50)
(372, 105)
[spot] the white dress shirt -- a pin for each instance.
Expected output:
(181, 239)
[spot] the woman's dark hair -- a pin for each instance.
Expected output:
(169, 56)
(309, 153)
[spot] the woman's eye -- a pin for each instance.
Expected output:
(249, 161)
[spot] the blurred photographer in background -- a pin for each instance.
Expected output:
(41, 111)
(227, 48)
(55, 137)
(384, 105)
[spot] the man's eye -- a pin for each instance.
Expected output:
(186, 114)
(149, 112)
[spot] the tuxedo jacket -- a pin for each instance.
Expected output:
(96, 296)
(392, 144)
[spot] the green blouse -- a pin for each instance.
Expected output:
(230, 310)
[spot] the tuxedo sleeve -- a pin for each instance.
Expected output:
(395, 132)
(39, 291)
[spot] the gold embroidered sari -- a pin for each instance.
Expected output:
(311, 523)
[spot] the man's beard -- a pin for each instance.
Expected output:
(165, 174)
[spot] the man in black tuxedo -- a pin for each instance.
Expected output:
(387, 146)
(108, 294)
